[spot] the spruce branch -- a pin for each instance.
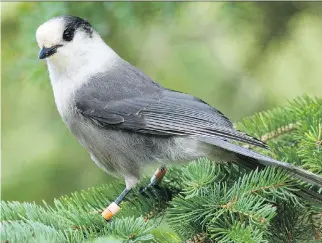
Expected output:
(197, 175)
(203, 201)
(238, 232)
(280, 131)
(276, 133)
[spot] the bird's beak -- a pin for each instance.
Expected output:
(47, 52)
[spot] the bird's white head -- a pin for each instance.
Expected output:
(70, 44)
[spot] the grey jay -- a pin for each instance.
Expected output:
(126, 121)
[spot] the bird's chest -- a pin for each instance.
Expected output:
(64, 99)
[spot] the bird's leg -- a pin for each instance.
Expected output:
(156, 178)
(120, 198)
(114, 207)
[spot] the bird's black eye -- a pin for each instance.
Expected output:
(68, 34)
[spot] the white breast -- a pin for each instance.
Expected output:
(73, 66)
(64, 99)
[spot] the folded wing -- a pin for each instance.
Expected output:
(164, 113)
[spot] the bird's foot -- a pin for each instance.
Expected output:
(155, 180)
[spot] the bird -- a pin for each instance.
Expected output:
(127, 121)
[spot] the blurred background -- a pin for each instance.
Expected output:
(241, 57)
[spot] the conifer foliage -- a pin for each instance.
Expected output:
(203, 201)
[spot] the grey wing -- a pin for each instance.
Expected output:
(164, 113)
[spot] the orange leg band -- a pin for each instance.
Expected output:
(110, 211)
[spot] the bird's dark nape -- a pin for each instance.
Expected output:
(73, 23)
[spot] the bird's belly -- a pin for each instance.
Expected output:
(128, 153)
(96, 141)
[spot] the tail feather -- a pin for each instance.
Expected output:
(303, 192)
(258, 160)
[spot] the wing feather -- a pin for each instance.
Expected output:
(165, 113)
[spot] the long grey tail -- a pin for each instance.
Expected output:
(260, 161)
